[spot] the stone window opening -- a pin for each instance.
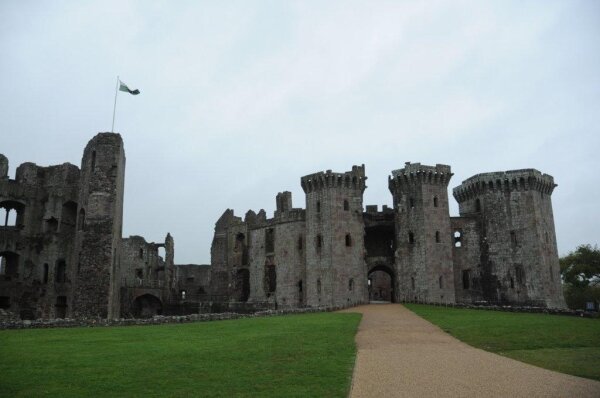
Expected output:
(437, 236)
(350, 284)
(162, 252)
(319, 242)
(519, 274)
(441, 282)
(270, 240)
(411, 237)
(348, 240)
(271, 278)
(478, 206)
(319, 286)
(61, 306)
(300, 242)
(457, 239)
(346, 205)
(61, 272)
(81, 220)
(9, 265)
(466, 279)
(139, 273)
(141, 254)
(551, 273)
(513, 237)
(93, 160)
(300, 286)
(5, 302)
(11, 213)
(45, 275)
(512, 283)
(435, 201)
(411, 203)
(318, 207)
(412, 283)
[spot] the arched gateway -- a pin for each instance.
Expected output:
(382, 283)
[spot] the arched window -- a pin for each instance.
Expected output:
(318, 207)
(346, 205)
(348, 240)
(435, 201)
(411, 237)
(61, 272)
(437, 236)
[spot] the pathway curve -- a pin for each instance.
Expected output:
(403, 355)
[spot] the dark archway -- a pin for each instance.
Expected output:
(243, 284)
(381, 284)
(147, 306)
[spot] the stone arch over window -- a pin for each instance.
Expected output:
(348, 240)
(13, 213)
(346, 205)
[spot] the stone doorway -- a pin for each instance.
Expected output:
(380, 282)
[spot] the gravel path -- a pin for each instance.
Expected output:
(403, 355)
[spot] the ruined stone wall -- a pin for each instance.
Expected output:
(193, 279)
(100, 215)
(423, 239)
(466, 256)
(519, 258)
(277, 258)
(335, 252)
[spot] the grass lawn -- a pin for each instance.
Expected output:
(562, 343)
(293, 356)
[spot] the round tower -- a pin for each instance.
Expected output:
(335, 265)
(519, 255)
(423, 257)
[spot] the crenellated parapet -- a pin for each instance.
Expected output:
(354, 179)
(417, 174)
(504, 181)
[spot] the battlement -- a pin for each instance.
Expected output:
(416, 173)
(354, 179)
(511, 180)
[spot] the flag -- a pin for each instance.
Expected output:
(123, 87)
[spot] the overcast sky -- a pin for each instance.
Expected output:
(240, 99)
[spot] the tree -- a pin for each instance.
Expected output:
(580, 271)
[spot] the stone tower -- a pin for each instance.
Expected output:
(423, 235)
(99, 227)
(335, 264)
(519, 255)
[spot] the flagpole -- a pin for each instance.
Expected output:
(115, 107)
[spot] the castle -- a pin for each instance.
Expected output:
(62, 253)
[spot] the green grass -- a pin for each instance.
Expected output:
(292, 356)
(562, 343)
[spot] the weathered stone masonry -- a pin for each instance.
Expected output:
(62, 253)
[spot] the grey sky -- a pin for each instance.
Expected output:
(240, 99)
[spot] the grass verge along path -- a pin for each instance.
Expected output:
(293, 356)
(566, 344)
